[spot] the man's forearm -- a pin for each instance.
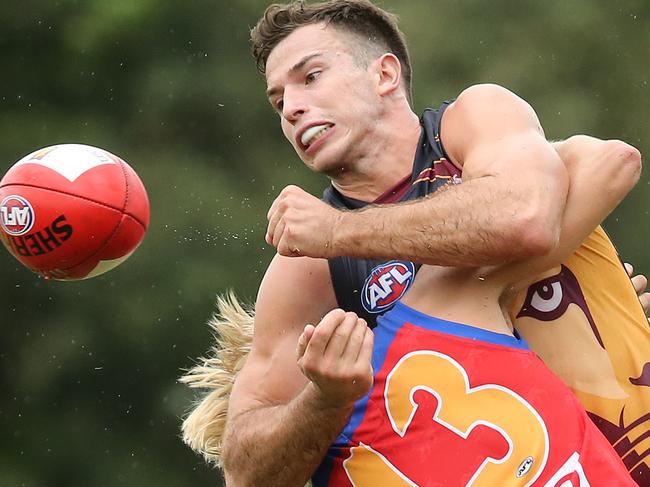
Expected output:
(479, 222)
(280, 445)
(602, 173)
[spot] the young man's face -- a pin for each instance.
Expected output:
(327, 103)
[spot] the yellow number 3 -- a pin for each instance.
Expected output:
(460, 409)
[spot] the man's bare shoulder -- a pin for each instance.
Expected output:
(482, 113)
(482, 103)
(484, 92)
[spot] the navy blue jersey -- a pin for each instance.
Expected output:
(371, 287)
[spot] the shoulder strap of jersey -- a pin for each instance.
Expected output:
(431, 120)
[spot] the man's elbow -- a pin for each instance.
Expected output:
(538, 224)
(535, 235)
(626, 167)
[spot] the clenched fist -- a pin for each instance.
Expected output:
(302, 225)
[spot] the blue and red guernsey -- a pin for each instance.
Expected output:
(457, 405)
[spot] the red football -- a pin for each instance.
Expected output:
(72, 211)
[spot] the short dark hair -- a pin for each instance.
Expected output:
(361, 18)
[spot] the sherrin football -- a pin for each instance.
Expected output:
(72, 211)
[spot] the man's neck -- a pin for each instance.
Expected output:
(386, 163)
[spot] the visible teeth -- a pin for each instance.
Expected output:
(312, 134)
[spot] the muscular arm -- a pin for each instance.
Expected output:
(601, 175)
(280, 423)
(514, 190)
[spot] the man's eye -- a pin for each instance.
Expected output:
(312, 76)
(279, 104)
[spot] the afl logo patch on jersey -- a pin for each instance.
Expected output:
(525, 467)
(16, 215)
(386, 284)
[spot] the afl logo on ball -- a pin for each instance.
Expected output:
(386, 284)
(16, 215)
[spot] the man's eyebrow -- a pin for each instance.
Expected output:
(296, 67)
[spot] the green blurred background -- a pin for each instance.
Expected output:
(88, 369)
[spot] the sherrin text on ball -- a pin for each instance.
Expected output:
(72, 211)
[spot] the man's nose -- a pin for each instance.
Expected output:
(293, 107)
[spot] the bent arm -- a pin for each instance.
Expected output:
(278, 428)
(279, 445)
(601, 174)
(514, 190)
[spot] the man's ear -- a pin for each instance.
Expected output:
(389, 71)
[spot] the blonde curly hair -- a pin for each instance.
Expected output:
(214, 375)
